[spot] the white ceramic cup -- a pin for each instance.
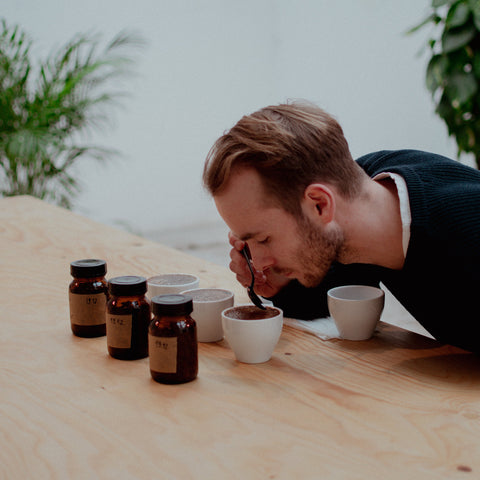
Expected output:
(208, 304)
(252, 340)
(356, 310)
(168, 283)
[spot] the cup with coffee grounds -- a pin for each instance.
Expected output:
(208, 304)
(251, 332)
(171, 283)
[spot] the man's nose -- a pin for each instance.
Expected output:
(261, 258)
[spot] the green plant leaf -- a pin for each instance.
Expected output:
(439, 3)
(457, 38)
(45, 104)
(458, 15)
(447, 113)
(476, 64)
(465, 139)
(432, 18)
(460, 87)
(475, 8)
(436, 71)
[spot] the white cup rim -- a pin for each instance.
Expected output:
(251, 321)
(372, 292)
(193, 279)
(228, 296)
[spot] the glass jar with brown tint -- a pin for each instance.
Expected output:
(172, 340)
(87, 295)
(128, 318)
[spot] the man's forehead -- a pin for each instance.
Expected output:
(246, 177)
(245, 206)
(247, 184)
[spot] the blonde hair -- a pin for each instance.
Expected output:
(290, 146)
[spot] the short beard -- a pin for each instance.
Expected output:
(317, 251)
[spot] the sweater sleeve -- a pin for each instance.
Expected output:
(304, 303)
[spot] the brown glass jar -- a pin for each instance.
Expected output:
(87, 296)
(128, 318)
(172, 340)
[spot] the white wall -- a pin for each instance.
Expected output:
(210, 61)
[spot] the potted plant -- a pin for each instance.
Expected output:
(44, 105)
(453, 72)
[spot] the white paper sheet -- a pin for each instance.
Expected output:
(323, 328)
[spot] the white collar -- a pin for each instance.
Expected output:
(405, 212)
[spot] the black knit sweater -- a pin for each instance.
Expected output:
(440, 280)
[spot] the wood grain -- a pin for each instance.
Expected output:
(398, 406)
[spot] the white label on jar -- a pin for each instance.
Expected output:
(87, 309)
(163, 354)
(119, 330)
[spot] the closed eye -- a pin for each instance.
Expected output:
(264, 241)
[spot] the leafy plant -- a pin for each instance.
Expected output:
(45, 106)
(453, 71)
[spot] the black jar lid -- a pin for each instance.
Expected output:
(172, 305)
(88, 267)
(127, 285)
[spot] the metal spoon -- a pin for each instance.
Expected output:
(251, 293)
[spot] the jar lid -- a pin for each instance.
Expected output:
(172, 305)
(127, 285)
(88, 267)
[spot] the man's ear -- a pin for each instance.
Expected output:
(319, 203)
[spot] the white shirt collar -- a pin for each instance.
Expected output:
(405, 212)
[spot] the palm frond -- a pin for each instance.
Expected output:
(40, 114)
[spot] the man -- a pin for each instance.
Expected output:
(284, 180)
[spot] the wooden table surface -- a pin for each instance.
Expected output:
(397, 406)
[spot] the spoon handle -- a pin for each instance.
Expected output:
(248, 258)
(251, 292)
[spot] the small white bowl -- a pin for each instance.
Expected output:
(356, 310)
(252, 340)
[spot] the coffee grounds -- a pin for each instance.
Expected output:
(251, 312)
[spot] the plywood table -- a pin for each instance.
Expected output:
(397, 406)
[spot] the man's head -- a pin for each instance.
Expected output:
(290, 146)
(277, 178)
